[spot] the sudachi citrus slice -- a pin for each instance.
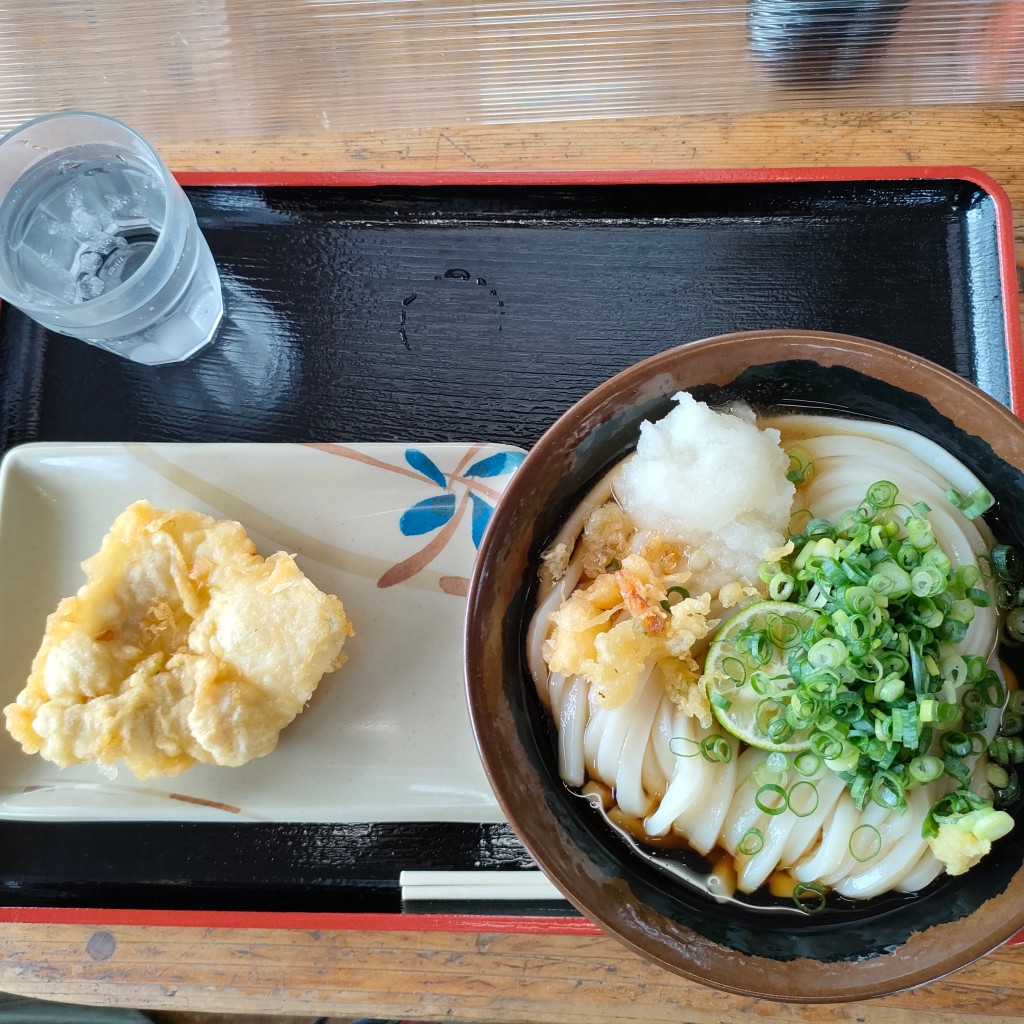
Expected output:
(747, 674)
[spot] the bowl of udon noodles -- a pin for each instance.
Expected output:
(742, 653)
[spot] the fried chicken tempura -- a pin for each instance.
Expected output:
(184, 646)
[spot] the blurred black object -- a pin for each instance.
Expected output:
(821, 42)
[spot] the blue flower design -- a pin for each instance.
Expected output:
(424, 464)
(434, 512)
(496, 465)
(427, 515)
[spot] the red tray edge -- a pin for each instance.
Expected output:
(525, 924)
(312, 922)
(301, 921)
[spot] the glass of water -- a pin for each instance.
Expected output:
(99, 242)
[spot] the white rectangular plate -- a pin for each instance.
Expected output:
(389, 528)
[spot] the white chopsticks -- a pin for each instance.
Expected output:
(476, 886)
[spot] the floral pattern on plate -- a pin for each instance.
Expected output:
(440, 513)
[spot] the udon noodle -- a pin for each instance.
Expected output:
(781, 815)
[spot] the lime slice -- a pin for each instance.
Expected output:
(747, 676)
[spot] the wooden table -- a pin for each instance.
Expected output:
(506, 977)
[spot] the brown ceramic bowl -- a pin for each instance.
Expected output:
(875, 948)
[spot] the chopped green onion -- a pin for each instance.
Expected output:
(911, 734)
(954, 668)
(872, 675)
(801, 466)
(716, 749)
(756, 644)
(936, 558)
(1014, 624)
(779, 730)
(890, 579)
(848, 706)
(764, 802)
(975, 504)
(955, 767)
(683, 746)
(951, 808)
(882, 495)
(859, 785)
(1012, 723)
(1010, 793)
(968, 576)
(891, 689)
(825, 746)
(907, 556)
(720, 701)
(780, 588)
(735, 670)
(981, 501)
(999, 750)
(865, 843)
(1006, 563)
(919, 533)
(809, 897)
(861, 600)
(807, 762)
(956, 743)
(993, 691)
(783, 631)
(974, 720)
(803, 798)
(827, 653)
(992, 825)
(887, 790)
(846, 760)
(951, 631)
(751, 842)
(927, 581)
(770, 720)
(925, 768)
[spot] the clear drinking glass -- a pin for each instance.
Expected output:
(99, 242)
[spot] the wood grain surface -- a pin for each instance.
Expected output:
(985, 137)
(438, 976)
(490, 977)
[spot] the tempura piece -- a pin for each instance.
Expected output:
(610, 631)
(184, 646)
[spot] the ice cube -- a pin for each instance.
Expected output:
(90, 261)
(89, 286)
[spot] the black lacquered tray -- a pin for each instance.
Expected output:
(475, 309)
